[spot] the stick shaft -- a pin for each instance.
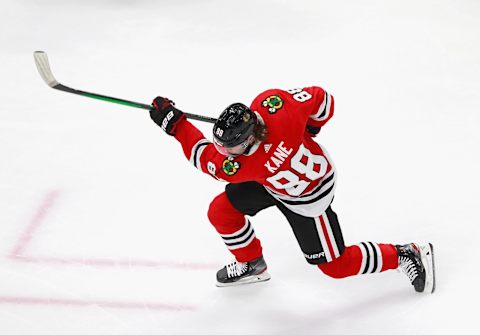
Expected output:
(43, 66)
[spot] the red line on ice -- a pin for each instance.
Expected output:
(98, 303)
(116, 263)
(18, 252)
(35, 222)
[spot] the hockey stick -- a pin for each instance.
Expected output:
(43, 66)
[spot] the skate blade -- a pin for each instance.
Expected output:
(429, 263)
(264, 276)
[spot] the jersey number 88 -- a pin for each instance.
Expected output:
(311, 166)
(299, 94)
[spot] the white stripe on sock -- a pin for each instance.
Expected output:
(364, 258)
(238, 232)
(371, 262)
(379, 257)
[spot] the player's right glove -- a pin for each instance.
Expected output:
(313, 131)
(165, 115)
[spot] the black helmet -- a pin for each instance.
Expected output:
(234, 125)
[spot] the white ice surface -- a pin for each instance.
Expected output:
(128, 227)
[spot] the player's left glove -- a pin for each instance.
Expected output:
(313, 131)
(166, 115)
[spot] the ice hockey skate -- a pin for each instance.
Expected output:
(417, 262)
(237, 273)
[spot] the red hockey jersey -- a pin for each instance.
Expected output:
(292, 167)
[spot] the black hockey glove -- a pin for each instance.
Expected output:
(165, 115)
(313, 131)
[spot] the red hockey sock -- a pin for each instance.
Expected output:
(366, 257)
(235, 229)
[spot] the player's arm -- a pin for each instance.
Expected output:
(315, 104)
(205, 157)
(198, 150)
(195, 146)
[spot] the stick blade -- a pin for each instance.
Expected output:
(43, 67)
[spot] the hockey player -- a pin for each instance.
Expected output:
(268, 156)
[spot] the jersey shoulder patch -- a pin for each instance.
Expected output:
(230, 167)
(273, 103)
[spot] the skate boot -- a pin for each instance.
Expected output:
(237, 273)
(417, 263)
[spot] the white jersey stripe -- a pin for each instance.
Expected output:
(327, 112)
(324, 107)
(313, 209)
(196, 152)
(199, 154)
(321, 109)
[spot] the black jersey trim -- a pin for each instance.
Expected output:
(311, 201)
(315, 191)
(196, 152)
(324, 109)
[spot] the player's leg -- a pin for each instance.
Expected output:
(322, 243)
(320, 238)
(364, 258)
(227, 213)
(369, 257)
